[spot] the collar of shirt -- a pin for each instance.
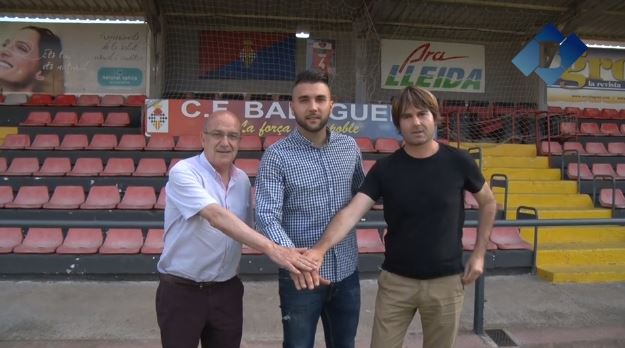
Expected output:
(302, 140)
(234, 171)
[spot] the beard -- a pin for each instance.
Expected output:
(313, 129)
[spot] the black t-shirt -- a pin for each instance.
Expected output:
(424, 209)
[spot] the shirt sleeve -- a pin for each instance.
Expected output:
(372, 184)
(473, 179)
(185, 191)
(270, 198)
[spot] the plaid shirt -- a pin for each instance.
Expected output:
(300, 187)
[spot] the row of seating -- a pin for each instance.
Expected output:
(43, 99)
(589, 149)
(608, 196)
(592, 128)
(584, 172)
(70, 119)
(607, 113)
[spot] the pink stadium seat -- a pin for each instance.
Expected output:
(37, 118)
(22, 166)
(248, 165)
(386, 145)
(555, 110)
(29, 197)
(6, 195)
(103, 142)
(87, 166)
(45, 142)
(508, 238)
(617, 148)
(271, 139)
(40, 99)
(112, 100)
(250, 143)
(589, 128)
(172, 163)
(64, 100)
(153, 241)
(15, 142)
(81, 241)
(64, 119)
(605, 198)
(117, 119)
(604, 169)
(584, 173)
(10, 237)
(74, 142)
(132, 142)
(369, 241)
(90, 119)
(469, 236)
(365, 144)
(40, 241)
(367, 165)
(610, 129)
(189, 143)
(591, 113)
(469, 201)
(135, 100)
(596, 149)
(573, 111)
(609, 114)
(122, 241)
(118, 167)
(88, 100)
(102, 197)
(3, 164)
(138, 197)
(620, 170)
(568, 128)
(552, 147)
(151, 167)
(160, 201)
(574, 145)
(54, 166)
(66, 197)
(160, 142)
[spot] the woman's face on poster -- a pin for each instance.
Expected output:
(19, 58)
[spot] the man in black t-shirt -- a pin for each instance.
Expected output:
(422, 185)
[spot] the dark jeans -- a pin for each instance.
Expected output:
(338, 304)
(189, 313)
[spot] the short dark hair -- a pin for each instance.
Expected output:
(417, 97)
(311, 76)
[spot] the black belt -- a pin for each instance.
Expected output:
(168, 278)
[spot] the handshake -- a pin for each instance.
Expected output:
(303, 265)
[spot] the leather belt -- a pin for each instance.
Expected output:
(169, 278)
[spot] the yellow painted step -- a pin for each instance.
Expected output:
(490, 149)
(530, 186)
(523, 173)
(596, 213)
(514, 162)
(583, 274)
(575, 234)
(580, 254)
(546, 200)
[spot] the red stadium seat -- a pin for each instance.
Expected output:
(30, 197)
(15, 142)
(160, 201)
(367, 165)
(610, 129)
(591, 113)
(54, 166)
(74, 142)
(81, 241)
(160, 142)
(583, 172)
(248, 165)
(10, 237)
(617, 148)
(22, 166)
(620, 170)
(151, 167)
(574, 145)
(153, 241)
(589, 128)
(40, 241)
(386, 145)
(250, 143)
(271, 139)
(45, 142)
(555, 110)
(604, 169)
(135, 100)
(568, 129)
(37, 118)
(6, 195)
(605, 198)
(102, 197)
(609, 114)
(189, 143)
(552, 147)
(118, 167)
(40, 99)
(90, 119)
(122, 241)
(88, 100)
(132, 142)
(117, 119)
(469, 237)
(66, 197)
(138, 198)
(64, 100)
(64, 119)
(3, 164)
(573, 111)
(365, 144)
(87, 166)
(112, 100)
(596, 149)
(103, 142)
(369, 241)
(508, 238)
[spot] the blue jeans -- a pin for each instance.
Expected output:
(338, 304)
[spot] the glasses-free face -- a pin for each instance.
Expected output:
(311, 106)
(417, 126)
(19, 59)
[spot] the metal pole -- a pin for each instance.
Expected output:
(478, 306)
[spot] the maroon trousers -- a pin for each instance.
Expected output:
(188, 312)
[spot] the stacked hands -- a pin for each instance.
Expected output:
(303, 265)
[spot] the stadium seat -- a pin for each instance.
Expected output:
(160, 201)
(138, 198)
(568, 129)
(116, 119)
(87, 166)
(122, 241)
(22, 166)
(29, 197)
(90, 119)
(112, 100)
(118, 167)
(605, 198)
(40, 241)
(153, 241)
(135, 100)
(151, 167)
(64, 100)
(66, 197)
(369, 241)
(103, 142)
(591, 113)
(88, 100)
(6, 195)
(10, 237)
(172, 163)
(250, 143)
(271, 139)
(37, 118)
(160, 142)
(574, 145)
(589, 128)
(550, 147)
(596, 149)
(3, 164)
(40, 99)
(131, 142)
(73, 142)
(189, 143)
(386, 145)
(617, 148)
(54, 166)
(620, 170)
(605, 169)
(584, 173)
(367, 165)
(621, 116)
(469, 237)
(573, 111)
(102, 197)
(607, 114)
(15, 142)
(508, 238)
(81, 241)
(64, 119)
(610, 129)
(248, 165)
(15, 99)
(45, 142)
(365, 144)
(555, 110)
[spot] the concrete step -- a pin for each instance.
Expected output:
(581, 254)
(524, 173)
(583, 274)
(540, 186)
(575, 234)
(490, 149)
(547, 200)
(596, 213)
(514, 162)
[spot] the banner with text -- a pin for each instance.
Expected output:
(437, 66)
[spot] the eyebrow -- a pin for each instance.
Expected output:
(25, 44)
